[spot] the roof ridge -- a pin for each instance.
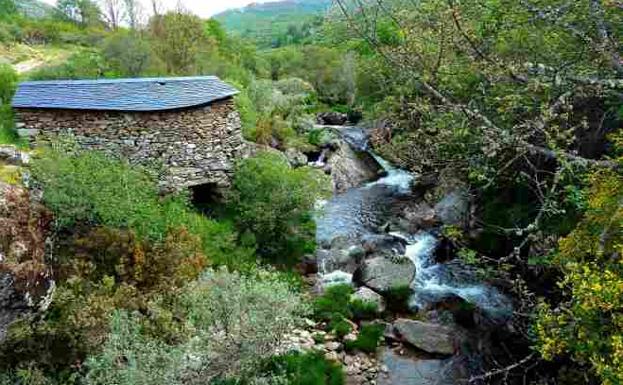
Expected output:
(118, 80)
(131, 94)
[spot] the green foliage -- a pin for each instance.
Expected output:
(274, 25)
(127, 53)
(306, 369)
(363, 310)
(334, 300)
(86, 64)
(273, 202)
(8, 85)
(588, 326)
(398, 298)
(368, 338)
(234, 322)
(340, 325)
(92, 188)
(178, 39)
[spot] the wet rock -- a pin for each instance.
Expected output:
(295, 157)
(432, 338)
(453, 209)
(307, 265)
(350, 168)
(373, 243)
(332, 118)
(404, 370)
(420, 216)
(382, 274)
(368, 295)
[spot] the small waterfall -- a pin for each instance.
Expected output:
(435, 281)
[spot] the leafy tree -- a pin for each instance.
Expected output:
(84, 12)
(7, 8)
(128, 53)
(8, 83)
(178, 39)
(274, 202)
(588, 324)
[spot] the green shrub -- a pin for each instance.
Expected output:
(398, 298)
(274, 202)
(306, 369)
(86, 64)
(368, 338)
(362, 310)
(94, 189)
(234, 322)
(335, 300)
(340, 325)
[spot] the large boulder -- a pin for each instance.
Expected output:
(332, 118)
(382, 274)
(405, 370)
(430, 337)
(453, 208)
(365, 294)
(350, 168)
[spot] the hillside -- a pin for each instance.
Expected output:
(270, 23)
(34, 8)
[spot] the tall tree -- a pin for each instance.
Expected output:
(178, 38)
(133, 13)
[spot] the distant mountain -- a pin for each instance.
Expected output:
(35, 8)
(270, 23)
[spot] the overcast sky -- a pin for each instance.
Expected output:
(203, 8)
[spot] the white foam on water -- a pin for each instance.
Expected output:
(395, 177)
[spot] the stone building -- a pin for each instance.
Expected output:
(188, 127)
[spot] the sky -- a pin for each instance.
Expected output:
(203, 8)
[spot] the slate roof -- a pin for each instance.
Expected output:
(138, 94)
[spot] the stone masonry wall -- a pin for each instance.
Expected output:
(195, 146)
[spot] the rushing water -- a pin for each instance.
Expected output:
(359, 212)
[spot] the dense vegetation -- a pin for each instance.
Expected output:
(518, 101)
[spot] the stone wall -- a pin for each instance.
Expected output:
(195, 146)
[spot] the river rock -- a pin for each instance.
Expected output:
(404, 370)
(432, 338)
(351, 169)
(331, 118)
(368, 295)
(382, 274)
(453, 208)
(373, 243)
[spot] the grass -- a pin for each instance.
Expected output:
(368, 338)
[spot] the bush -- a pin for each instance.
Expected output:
(234, 321)
(363, 310)
(398, 298)
(368, 338)
(340, 325)
(306, 369)
(91, 188)
(8, 85)
(335, 300)
(273, 202)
